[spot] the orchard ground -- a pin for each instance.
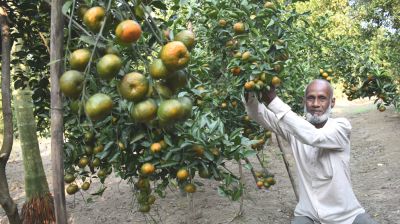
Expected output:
(374, 164)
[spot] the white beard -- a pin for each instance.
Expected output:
(315, 119)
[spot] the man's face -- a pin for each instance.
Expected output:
(318, 102)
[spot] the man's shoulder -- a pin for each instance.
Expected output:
(342, 122)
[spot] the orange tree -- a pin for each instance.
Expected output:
(141, 102)
(154, 88)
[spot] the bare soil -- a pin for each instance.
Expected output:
(375, 174)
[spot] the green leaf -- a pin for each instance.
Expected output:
(66, 7)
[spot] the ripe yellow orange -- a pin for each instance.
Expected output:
(108, 66)
(71, 83)
(260, 184)
(128, 31)
(144, 111)
(222, 22)
(236, 70)
(158, 70)
(190, 188)
(79, 59)
(238, 28)
(93, 18)
(249, 85)
(246, 55)
(175, 55)
(155, 147)
(276, 81)
(324, 74)
(321, 71)
(187, 37)
(98, 106)
(182, 174)
(269, 5)
(147, 168)
(133, 86)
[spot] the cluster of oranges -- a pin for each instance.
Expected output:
(327, 74)
(265, 180)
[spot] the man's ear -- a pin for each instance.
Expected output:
(333, 102)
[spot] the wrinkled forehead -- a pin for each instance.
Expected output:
(319, 87)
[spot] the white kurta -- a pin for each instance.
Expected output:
(322, 160)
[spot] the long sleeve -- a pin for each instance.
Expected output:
(335, 136)
(264, 117)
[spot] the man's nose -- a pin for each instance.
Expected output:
(315, 103)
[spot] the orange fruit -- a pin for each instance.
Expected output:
(269, 5)
(72, 189)
(222, 22)
(198, 150)
(69, 178)
(249, 85)
(147, 169)
(224, 105)
(236, 70)
(79, 59)
(133, 86)
(175, 55)
(187, 37)
(108, 66)
(270, 180)
(144, 208)
(128, 31)
(85, 186)
(84, 161)
(98, 148)
(71, 83)
(182, 174)
(155, 147)
(187, 105)
(102, 173)
(260, 184)
(98, 106)
(190, 188)
(164, 91)
(176, 80)
(238, 28)
(96, 162)
(324, 74)
(276, 81)
(381, 108)
(144, 111)
(93, 18)
(158, 70)
(321, 71)
(170, 110)
(246, 55)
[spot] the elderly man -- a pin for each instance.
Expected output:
(321, 149)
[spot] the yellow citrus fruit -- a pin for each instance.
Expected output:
(182, 174)
(222, 22)
(98, 106)
(187, 37)
(128, 31)
(144, 111)
(175, 55)
(85, 186)
(133, 86)
(246, 55)
(93, 18)
(198, 150)
(71, 83)
(155, 147)
(269, 5)
(84, 161)
(276, 81)
(238, 28)
(79, 59)
(69, 178)
(190, 188)
(108, 66)
(147, 169)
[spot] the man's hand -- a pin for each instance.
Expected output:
(268, 95)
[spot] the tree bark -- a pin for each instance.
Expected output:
(56, 128)
(5, 199)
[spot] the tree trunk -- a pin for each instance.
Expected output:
(56, 68)
(5, 199)
(38, 207)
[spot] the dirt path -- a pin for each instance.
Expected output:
(375, 169)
